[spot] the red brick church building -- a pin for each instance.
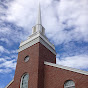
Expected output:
(36, 65)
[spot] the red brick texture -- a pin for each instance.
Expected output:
(55, 78)
(35, 66)
(44, 76)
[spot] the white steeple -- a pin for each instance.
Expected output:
(38, 35)
(38, 27)
(39, 16)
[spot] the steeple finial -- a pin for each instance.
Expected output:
(39, 15)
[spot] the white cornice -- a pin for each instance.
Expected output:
(35, 38)
(9, 83)
(67, 68)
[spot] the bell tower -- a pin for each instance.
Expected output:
(31, 56)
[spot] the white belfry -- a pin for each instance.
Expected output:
(38, 27)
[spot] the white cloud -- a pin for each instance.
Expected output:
(80, 61)
(54, 13)
(5, 30)
(12, 54)
(74, 14)
(7, 58)
(2, 49)
(14, 51)
(5, 70)
(21, 12)
(7, 65)
(4, 40)
(2, 60)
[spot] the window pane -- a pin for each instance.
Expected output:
(25, 81)
(69, 84)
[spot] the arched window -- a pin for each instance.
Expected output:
(24, 81)
(69, 84)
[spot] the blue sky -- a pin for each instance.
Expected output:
(66, 24)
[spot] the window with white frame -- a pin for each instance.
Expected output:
(24, 81)
(69, 84)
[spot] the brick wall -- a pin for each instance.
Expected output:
(35, 66)
(44, 76)
(55, 77)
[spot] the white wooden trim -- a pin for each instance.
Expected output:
(9, 83)
(67, 68)
(35, 38)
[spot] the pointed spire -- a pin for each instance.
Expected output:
(39, 16)
(38, 27)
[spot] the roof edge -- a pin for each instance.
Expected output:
(66, 68)
(9, 83)
(33, 39)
